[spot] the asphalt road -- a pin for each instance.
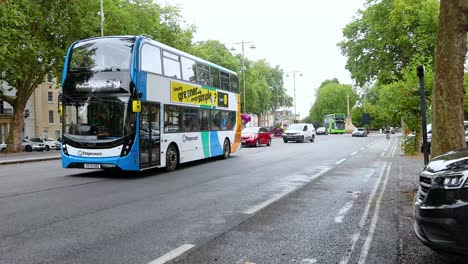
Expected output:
(331, 201)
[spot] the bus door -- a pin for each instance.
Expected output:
(150, 145)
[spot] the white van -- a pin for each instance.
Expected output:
(299, 133)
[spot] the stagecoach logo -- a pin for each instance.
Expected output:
(86, 153)
(187, 138)
(95, 84)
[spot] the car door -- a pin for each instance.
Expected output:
(262, 135)
(306, 132)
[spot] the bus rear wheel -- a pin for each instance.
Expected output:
(226, 149)
(172, 158)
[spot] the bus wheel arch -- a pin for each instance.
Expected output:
(226, 149)
(172, 157)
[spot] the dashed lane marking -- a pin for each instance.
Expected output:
(173, 254)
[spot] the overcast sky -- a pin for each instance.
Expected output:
(297, 35)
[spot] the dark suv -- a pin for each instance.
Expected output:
(441, 205)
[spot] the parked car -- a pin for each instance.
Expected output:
(254, 136)
(51, 144)
(299, 133)
(26, 145)
(37, 144)
(441, 204)
(359, 132)
(429, 136)
(322, 131)
(392, 130)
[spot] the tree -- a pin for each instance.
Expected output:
(448, 90)
(331, 98)
(386, 36)
(36, 35)
(215, 52)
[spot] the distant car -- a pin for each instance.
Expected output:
(359, 132)
(51, 144)
(26, 145)
(299, 133)
(392, 130)
(37, 144)
(254, 136)
(322, 131)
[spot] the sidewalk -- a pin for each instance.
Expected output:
(23, 157)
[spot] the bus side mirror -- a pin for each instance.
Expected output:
(136, 106)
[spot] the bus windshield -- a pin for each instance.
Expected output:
(98, 119)
(101, 55)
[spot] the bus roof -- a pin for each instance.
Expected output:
(145, 38)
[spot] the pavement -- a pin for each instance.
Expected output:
(23, 157)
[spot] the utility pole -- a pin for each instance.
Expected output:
(242, 43)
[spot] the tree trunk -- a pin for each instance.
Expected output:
(17, 124)
(448, 92)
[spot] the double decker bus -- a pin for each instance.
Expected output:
(132, 103)
(335, 123)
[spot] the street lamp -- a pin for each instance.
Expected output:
(243, 63)
(294, 86)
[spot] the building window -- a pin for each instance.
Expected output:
(51, 116)
(49, 77)
(50, 97)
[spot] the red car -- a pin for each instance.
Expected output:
(254, 136)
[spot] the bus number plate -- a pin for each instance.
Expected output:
(92, 166)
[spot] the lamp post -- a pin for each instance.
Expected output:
(294, 87)
(101, 13)
(242, 43)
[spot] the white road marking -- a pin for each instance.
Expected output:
(362, 222)
(393, 151)
(173, 254)
(269, 201)
(278, 196)
(309, 261)
(354, 153)
(375, 218)
(340, 161)
(383, 154)
(362, 148)
(343, 211)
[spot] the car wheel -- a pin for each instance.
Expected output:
(226, 149)
(257, 143)
(172, 158)
(285, 141)
(302, 139)
(269, 142)
(312, 139)
(47, 148)
(28, 148)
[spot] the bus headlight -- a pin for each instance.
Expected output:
(64, 147)
(126, 147)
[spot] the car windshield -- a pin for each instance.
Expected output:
(97, 118)
(250, 130)
(36, 140)
(360, 129)
(295, 127)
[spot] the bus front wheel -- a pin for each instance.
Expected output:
(172, 158)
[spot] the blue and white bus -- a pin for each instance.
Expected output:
(132, 103)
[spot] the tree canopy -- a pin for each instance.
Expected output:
(331, 98)
(387, 36)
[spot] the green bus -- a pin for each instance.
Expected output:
(335, 123)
